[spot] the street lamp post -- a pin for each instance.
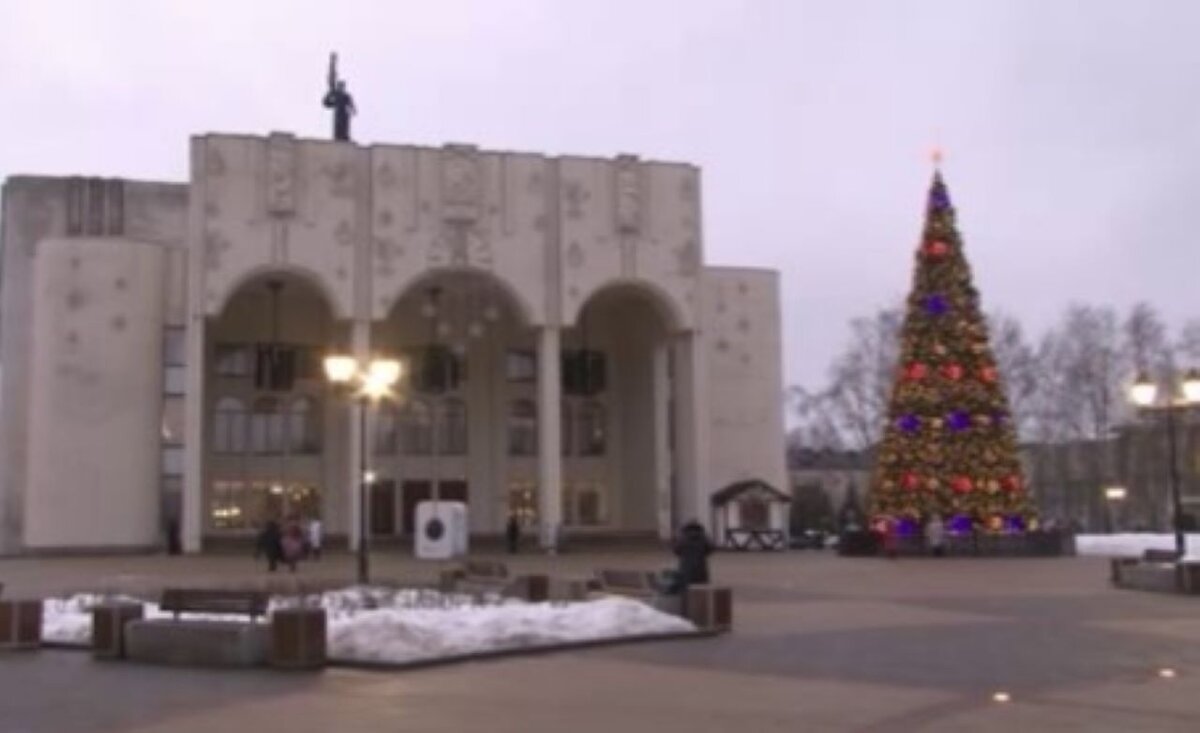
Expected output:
(1115, 495)
(369, 383)
(1143, 393)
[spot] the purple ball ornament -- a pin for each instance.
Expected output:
(1014, 524)
(936, 305)
(938, 198)
(958, 421)
(909, 423)
(907, 527)
(960, 524)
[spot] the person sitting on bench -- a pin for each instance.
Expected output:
(692, 548)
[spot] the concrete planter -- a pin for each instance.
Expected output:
(108, 628)
(298, 638)
(709, 607)
(20, 624)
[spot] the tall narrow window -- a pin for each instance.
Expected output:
(229, 426)
(174, 371)
(232, 360)
(266, 427)
(303, 434)
(593, 429)
(386, 428)
(522, 428)
(453, 428)
(418, 433)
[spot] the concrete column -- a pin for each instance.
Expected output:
(691, 431)
(549, 437)
(360, 347)
(194, 444)
(661, 392)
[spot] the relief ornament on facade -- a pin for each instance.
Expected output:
(628, 195)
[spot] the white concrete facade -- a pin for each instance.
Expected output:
(137, 319)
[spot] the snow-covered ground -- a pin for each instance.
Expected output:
(1133, 545)
(385, 625)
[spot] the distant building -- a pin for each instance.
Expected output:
(1069, 479)
(832, 473)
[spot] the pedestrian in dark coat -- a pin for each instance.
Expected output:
(692, 548)
(270, 543)
(512, 533)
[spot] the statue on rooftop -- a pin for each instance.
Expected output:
(340, 101)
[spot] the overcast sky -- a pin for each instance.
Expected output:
(1071, 128)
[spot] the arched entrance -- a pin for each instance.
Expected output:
(267, 448)
(463, 426)
(616, 412)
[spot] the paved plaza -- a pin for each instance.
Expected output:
(821, 643)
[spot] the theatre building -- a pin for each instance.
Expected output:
(567, 354)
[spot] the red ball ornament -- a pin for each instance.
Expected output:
(937, 249)
(909, 481)
(916, 371)
(1011, 483)
(961, 484)
(988, 374)
(953, 372)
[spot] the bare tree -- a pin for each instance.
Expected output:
(860, 381)
(1018, 366)
(1081, 375)
(816, 426)
(1145, 345)
(1188, 345)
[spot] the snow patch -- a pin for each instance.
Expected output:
(1134, 544)
(370, 624)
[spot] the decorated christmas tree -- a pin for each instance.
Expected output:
(949, 447)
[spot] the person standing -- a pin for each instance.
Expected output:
(270, 544)
(292, 545)
(692, 548)
(512, 533)
(314, 538)
(935, 535)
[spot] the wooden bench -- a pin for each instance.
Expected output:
(250, 603)
(641, 585)
(483, 576)
(202, 642)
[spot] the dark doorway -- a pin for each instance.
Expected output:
(383, 509)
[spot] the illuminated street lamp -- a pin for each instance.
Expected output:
(366, 386)
(1144, 394)
(1115, 495)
